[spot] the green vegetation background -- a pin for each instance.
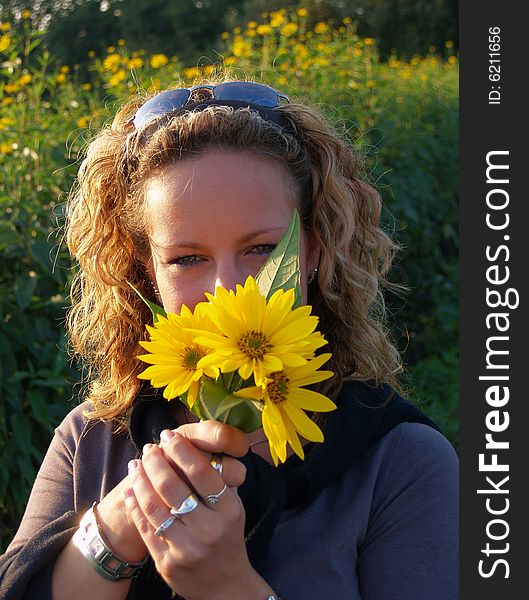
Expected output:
(401, 108)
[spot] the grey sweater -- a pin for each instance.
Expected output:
(387, 530)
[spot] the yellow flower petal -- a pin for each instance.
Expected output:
(308, 429)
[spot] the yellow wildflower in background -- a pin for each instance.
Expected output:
(258, 336)
(86, 86)
(277, 19)
(369, 41)
(321, 27)
(371, 83)
(5, 26)
(111, 62)
(117, 77)
(241, 47)
(26, 14)
(174, 354)
(135, 63)
(289, 29)
(285, 399)
(158, 60)
(5, 148)
(24, 79)
(5, 41)
(264, 29)
(64, 69)
(6, 122)
(302, 12)
(61, 78)
(82, 122)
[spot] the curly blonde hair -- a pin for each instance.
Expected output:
(107, 235)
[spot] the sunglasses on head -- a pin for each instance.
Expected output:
(235, 92)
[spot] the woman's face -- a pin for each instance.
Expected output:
(214, 219)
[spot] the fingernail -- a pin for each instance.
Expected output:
(147, 448)
(132, 465)
(128, 493)
(166, 435)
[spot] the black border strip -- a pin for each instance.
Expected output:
(493, 125)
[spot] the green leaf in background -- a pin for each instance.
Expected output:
(281, 269)
(24, 289)
(155, 309)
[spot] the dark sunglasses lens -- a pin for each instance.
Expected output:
(161, 104)
(255, 93)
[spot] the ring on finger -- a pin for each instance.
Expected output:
(166, 524)
(216, 462)
(214, 498)
(187, 506)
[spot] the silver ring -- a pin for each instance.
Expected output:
(165, 525)
(187, 506)
(216, 462)
(214, 498)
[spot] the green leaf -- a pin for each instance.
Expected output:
(281, 269)
(24, 288)
(155, 309)
(210, 395)
(39, 409)
(21, 430)
(216, 402)
(245, 416)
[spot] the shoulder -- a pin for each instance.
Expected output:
(95, 454)
(414, 471)
(421, 444)
(415, 452)
(77, 431)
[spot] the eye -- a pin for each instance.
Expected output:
(263, 248)
(186, 261)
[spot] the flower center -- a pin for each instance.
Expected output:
(277, 389)
(191, 357)
(254, 344)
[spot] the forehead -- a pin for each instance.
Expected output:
(220, 185)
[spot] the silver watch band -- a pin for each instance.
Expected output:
(95, 549)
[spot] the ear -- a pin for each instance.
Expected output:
(313, 253)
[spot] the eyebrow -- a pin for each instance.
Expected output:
(194, 245)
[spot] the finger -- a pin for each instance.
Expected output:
(196, 467)
(214, 436)
(156, 508)
(136, 516)
(233, 470)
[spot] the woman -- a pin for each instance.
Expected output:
(185, 192)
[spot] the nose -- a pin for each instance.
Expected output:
(228, 276)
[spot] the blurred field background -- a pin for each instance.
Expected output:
(386, 73)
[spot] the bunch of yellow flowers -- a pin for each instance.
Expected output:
(244, 357)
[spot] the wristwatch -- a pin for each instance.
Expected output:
(95, 549)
